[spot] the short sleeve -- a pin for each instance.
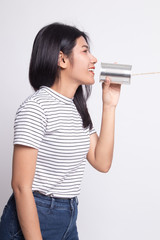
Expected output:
(92, 130)
(29, 125)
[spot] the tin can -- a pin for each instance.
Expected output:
(118, 73)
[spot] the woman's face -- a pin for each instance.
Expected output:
(82, 64)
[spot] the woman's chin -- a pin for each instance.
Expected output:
(90, 83)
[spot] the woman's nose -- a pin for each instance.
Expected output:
(93, 59)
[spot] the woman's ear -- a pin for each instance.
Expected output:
(62, 60)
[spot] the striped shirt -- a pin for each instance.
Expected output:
(50, 122)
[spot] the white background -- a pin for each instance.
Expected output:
(123, 204)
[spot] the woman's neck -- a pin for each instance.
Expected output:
(65, 88)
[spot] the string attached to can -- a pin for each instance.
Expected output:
(136, 74)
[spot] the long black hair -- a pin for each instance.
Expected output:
(44, 68)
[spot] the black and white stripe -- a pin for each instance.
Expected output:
(50, 122)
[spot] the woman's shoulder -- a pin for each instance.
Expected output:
(39, 98)
(33, 101)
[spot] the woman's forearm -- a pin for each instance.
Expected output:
(105, 144)
(27, 214)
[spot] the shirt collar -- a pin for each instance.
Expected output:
(57, 95)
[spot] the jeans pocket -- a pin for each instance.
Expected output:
(43, 208)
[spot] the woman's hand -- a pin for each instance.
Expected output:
(110, 93)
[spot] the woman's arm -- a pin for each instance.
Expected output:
(101, 148)
(24, 163)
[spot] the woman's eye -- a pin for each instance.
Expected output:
(85, 51)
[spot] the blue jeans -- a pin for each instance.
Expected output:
(57, 217)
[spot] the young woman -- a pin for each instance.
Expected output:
(53, 137)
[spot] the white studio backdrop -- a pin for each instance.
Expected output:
(124, 203)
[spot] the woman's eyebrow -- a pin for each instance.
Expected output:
(85, 46)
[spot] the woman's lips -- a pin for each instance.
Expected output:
(91, 70)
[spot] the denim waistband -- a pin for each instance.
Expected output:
(56, 199)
